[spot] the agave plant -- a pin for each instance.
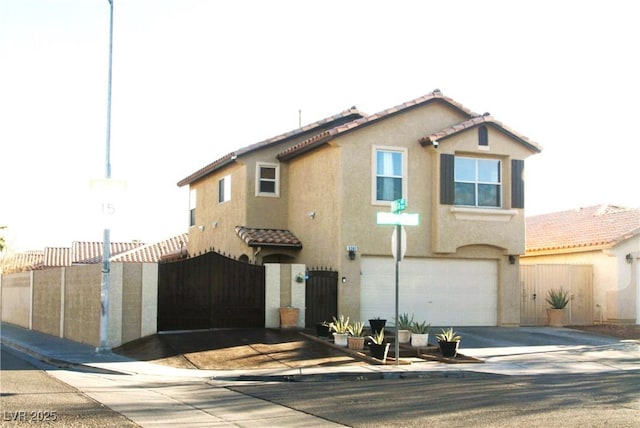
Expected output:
(420, 328)
(558, 299)
(341, 325)
(404, 322)
(356, 328)
(448, 335)
(378, 338)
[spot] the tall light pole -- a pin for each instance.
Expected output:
(106, 253)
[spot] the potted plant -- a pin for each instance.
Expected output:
(557, 299)
(448, 341)
(420, 334)
(379, 349)
(355, 340)
(323, 329)
(403, 323)
(377, 324)
(340, 328)
(289, 317)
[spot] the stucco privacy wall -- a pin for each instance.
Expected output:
(16, 298)
(281, 290)
(65, 302)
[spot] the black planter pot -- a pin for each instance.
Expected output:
(379, 351)
(322, 330)
(448, 349)
(377, 326)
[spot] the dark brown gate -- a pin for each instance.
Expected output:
(321, 297)
(210, 291)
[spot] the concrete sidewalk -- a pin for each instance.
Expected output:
(505, 351)
(155, 395)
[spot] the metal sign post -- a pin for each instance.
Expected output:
(397, 219)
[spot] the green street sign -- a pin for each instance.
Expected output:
(398, 205)
(404, 219)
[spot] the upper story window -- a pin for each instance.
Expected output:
(192, 207)
(224, 189)
(477, 182)
(267, 179)
(390, 174)
(483, 136)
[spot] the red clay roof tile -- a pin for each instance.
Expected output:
(254, 237)
(597, 226)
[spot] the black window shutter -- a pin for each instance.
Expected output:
(446, 179)
(517, 183)
(483, 136)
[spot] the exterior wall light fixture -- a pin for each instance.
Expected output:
(629, 258)
(352, 249)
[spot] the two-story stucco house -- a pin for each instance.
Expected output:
(308, 195)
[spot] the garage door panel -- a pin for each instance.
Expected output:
(440, 291)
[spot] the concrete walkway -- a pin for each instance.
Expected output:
(159, 395)
(506, 351)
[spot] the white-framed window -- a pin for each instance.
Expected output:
(390, 174)
(192, 207)
(267, 179)
(477, 182)
(224, 189)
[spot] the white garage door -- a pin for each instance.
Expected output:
(441, 291)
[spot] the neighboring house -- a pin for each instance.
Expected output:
(308, 195)
(84, 252)
(607, 238)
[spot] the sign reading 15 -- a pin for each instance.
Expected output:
(108, 192)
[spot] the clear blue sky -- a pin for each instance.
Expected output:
(196, 79)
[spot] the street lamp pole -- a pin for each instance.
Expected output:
(106, 254)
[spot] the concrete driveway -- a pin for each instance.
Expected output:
(540, 350)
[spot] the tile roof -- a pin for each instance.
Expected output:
(601, 226)
(346, 115)
(57, 256)
(91, 252)
(485, 119)
(153, 253)
(322, 138)
(268, 237)
(20, 262)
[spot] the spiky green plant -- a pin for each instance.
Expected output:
(557, 298)
(340, 325)
(356, 328)
(420, 327)
(448, 335)
(404, 322)
(378, 338)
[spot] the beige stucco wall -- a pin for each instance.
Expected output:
(82, 304)
(65, 301)
(16, 299)
(282, 290)
(47, 300)
(613, 294)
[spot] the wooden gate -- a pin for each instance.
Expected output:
(321, 298)
(210, 291)
(537, 280)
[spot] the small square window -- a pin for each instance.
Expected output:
(267, 179)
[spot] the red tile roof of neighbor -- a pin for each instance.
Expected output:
(91, 253)
(601, 226)
(152, 253)
(268, 237)
(19, 262)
